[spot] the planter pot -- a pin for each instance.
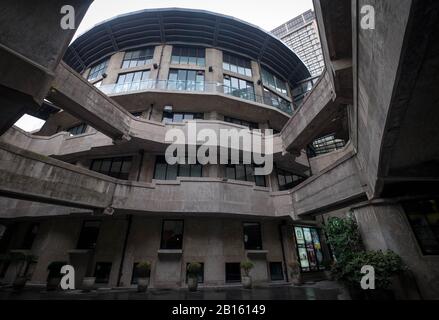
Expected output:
(19, 283)
(53, 283)
(247, 282)
(328, 275)
(88, 283)
(142, 284)
(192, 283)
(297, 280)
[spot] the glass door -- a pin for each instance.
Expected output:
(309, 249)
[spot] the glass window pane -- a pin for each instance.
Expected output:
(160, 171)
(106, 166)
(184, 170)
(252, 236)
(230, 172)
(196, 170)
(172, 234)
(171, 173)
(240, 172)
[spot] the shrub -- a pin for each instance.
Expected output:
(193, 269)
(344, 238)
(246, 266)
(386, 265)
(143, 269)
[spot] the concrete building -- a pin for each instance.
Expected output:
(301, 34)
(92, 189)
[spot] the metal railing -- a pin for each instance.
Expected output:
(196, 86)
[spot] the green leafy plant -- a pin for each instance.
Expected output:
(386, 265)
(143, 269)
(344, 237)
(246, 266)
(345, 240)
(193, 269)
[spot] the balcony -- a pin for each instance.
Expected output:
(196, 86)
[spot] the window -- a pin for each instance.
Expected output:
(172, 235)
(114, 167)
(276, 101)
(288, 180)
(276, 272)
(137, 115)
(325, 145)
(97, 70)
(102, 272)
(30, 235)
(248, 124)
(164, 171)
(273, 81)
(77, 130)
(169, 117)
(89, 235)
(239, 88)
(244, 173)
(137, 58)
(233, 272)
(200, 275)
(186, 80)
(309, 249)
(189, 55)
(423, 216)
(252, 236)
(132, 81)
(238, 65)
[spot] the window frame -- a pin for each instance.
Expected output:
(162, 246)
(256, 247)
(101, 68)
(81, 232)
(98, 281)
(180, 55)
(163, 162)
(120, 175)
(74, 131)
(233, 166)
(146, 60)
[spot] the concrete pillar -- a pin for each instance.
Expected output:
(385, 226)
(113, 68)
(165, 63)
(147, 168)
(256, 74)
(214, 59)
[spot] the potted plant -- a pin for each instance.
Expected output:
(296, 275)
(246, 267)
(143, 272)
(328, 270)
(22, 260)
(54, 276)
(193, 270)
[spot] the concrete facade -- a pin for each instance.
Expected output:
(387, 92)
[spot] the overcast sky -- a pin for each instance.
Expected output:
(267, 14)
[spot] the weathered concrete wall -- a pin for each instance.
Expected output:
(319, 163)
(386, 227)
(379, 53)
(210, 241)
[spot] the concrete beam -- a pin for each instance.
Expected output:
(336, 186)
(31, 46)
(78, 97)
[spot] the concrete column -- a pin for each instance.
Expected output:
(385, 226)
(214, 59)
(113, 68)
(147, 168)
(165, 63)
(256, 73)
(156, 59)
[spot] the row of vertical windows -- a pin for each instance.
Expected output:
(248, 124)
(189, 55)
(136, 58)
(98, 70)
(114, 167)
(165, 171)
(131, 77)
(78, 129)
(237, 65)
(239, 88)
(186, 80)
(288, 180)
(170, 117)
(270, 80)
(244, 172)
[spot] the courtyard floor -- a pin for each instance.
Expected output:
(319, 291)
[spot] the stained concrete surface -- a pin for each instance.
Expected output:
(320, 291)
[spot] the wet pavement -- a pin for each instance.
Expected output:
(320, 291)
